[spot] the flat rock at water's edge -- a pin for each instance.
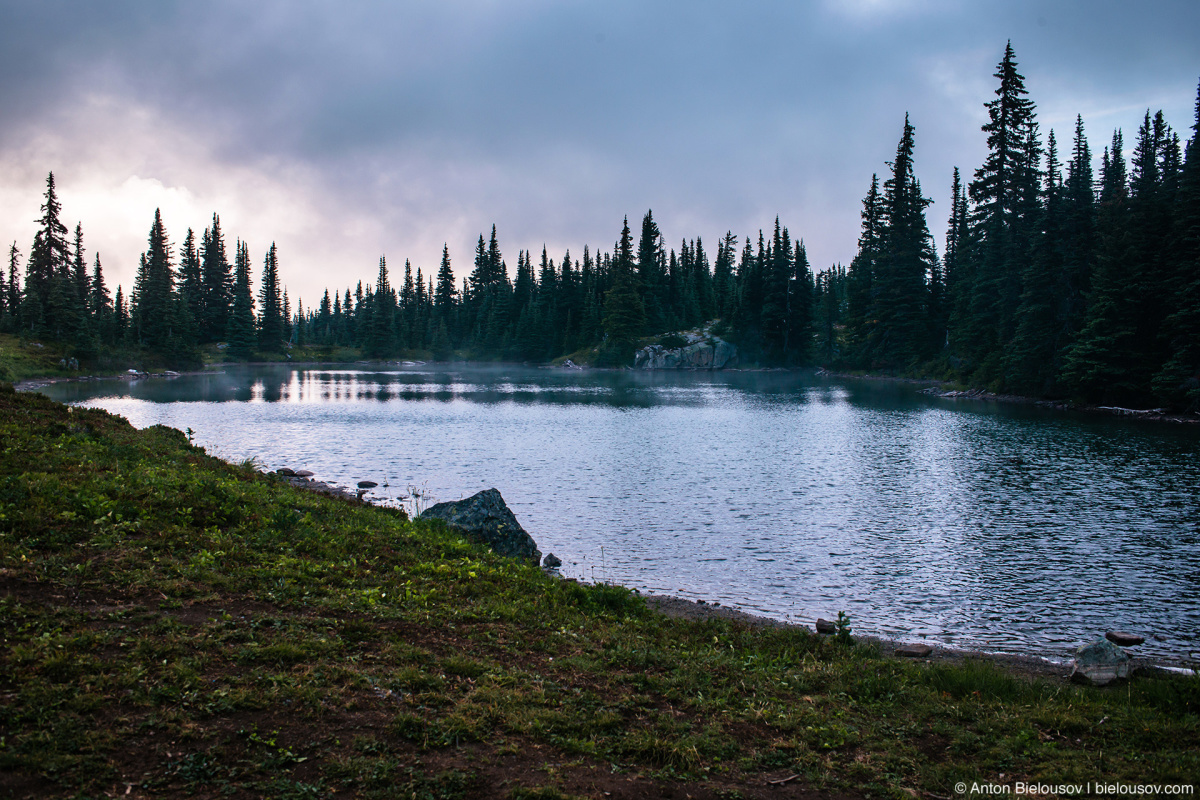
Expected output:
(486, 518)
(914, 650)
(1124, 639)
(825, 626)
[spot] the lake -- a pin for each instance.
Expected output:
(998, 527)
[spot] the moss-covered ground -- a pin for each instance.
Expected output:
(174, 625)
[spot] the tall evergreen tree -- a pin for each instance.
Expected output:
(191, 285)
(381, 332)
(153, 307)
(1103, 364)
(624, 313)
(49, 259)
(861, 290)
(651, 274)
(271, 320)
(241, 332)
(1034, 359)
(445, 295)
(901, 301)
(217, 278)
(1178, 382)
(12, 287)
(100, 305)
(1004, 194)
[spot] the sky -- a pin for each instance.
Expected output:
(348, 131)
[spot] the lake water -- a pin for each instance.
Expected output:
(976, 525)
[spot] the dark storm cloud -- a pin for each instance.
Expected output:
(556, 118)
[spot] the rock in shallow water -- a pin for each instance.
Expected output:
(485, 517)
(1100, 663)
(1124, 639)
(825, 626)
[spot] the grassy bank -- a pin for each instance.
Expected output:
(177, 626)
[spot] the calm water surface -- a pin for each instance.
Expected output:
(974, 525)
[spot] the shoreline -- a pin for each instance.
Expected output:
(1025, 665)
(934, 388)
(940, 389)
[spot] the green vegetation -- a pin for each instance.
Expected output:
(180, 626)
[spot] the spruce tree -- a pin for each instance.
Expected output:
(241, 332)
(1079, 232)
(153, 309)
(801, 305)
(651, 274)
(270, 321)
(624, 313)
(1004, 194)
(1103, 364)
(381, 328)
(861, 290)
(217, 278)
(100, 306)
(1034, 359)
(12, 287)
(901, 334)
(1178, 382)
(444, 296)
(191, 285)
(773, 313)
(724, 284)
(49, 259)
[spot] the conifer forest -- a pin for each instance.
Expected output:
(1055, 280)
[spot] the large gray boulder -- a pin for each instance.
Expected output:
(485, 518)
(709, 352)
(1100, 663)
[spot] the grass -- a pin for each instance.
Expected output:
(20, 359)
(178, 626)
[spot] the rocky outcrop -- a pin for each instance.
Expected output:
(1100, 663)
(699, 350)
(484, 517)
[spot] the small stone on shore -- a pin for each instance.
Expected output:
(825, 626)
(551, 561)
(287, 472)
(367, 484)
(914, 650)
(303, 473)
(1124, 639)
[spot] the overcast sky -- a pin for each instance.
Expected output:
(352, 130)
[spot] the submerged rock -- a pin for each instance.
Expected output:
(1124, 639)
(1100, 663)
(485, 518)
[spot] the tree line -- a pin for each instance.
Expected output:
(1053, 282)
